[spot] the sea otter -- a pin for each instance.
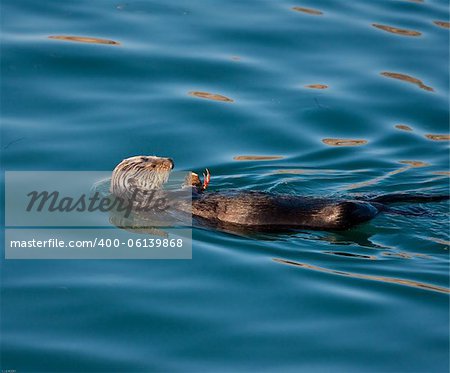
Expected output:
(252, 210)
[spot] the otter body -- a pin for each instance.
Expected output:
(251, 210)
(268, 211)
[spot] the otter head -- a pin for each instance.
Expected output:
(140, 173)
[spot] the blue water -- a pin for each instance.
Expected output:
(284, 302)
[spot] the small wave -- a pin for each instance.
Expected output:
(210, 96)
(437, 137)
(257, 157)
(392, 280)
(403, 127)
(316, 86)
(445, 173)
(409, 165)
(407, 78)
(84, 39)
(415, 163)
(350, 255)
(442, 24)
(314, 12)
(344, 142)
(398, 31)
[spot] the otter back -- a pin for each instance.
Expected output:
(273, 211)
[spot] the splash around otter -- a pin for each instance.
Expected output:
(254, 210)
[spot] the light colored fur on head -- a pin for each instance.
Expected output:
(140, 172)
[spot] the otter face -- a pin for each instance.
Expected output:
(192, 180)
(142, 172)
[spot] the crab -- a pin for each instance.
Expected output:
(194, 180)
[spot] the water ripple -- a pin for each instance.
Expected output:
(84, 39)
(407, 78)
(416, 284)
(210, 96)
(396, 30)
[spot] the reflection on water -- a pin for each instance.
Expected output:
(439, 240)
(392, 280)
(298, 171)
(409, 165)
(307, 10)
(407, 78)
(446, 173)
(403, 255)
(210, 96)
(317, 86)
(344, 142)
(397, 255)
(351, 255)
(403, 127)
(151, 231)
(442, 24)
(396, 30)
(257, 157)
(438, 137)
(414, 163)
(84, 39)
(267, 84)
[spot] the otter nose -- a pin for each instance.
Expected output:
(172, 163)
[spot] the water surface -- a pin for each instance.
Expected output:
(269, 95)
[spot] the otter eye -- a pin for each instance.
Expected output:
(145, 159)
